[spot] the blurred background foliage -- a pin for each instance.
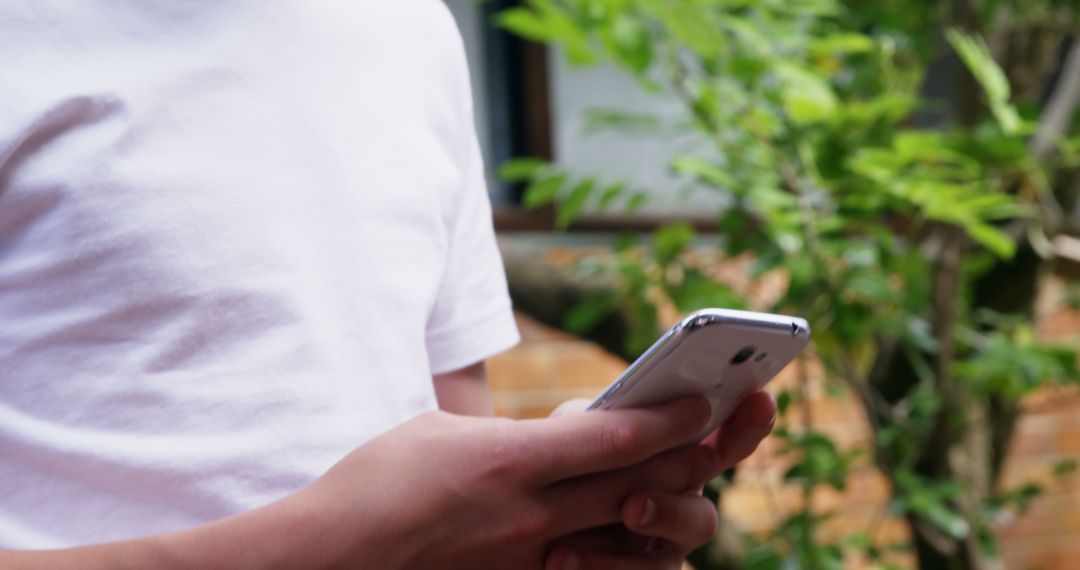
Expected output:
(910, 229)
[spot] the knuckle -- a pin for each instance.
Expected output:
(705, 523)
(434, 418)
(530, 525)
(621, 440)
(502, 461)
(702, 466)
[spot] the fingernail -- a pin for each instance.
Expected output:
(571, 561)
(648, 513)
(651, 545)
(702, 411)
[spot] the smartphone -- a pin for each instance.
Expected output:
(721, 354)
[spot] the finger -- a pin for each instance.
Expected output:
(593, 442)
(575, 406)
(744, 430)
(611, 539)
(687, 521)
(597, 500)
(566, 559)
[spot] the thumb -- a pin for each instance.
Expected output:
(571, 407)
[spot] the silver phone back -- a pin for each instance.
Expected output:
(695, 358)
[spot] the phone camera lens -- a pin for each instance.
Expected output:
(743, 355)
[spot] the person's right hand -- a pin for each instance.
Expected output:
(661, 528)
(445, 491)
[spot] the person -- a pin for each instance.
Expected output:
(245, 256)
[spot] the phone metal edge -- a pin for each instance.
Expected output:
(645, 359)
(797, 326)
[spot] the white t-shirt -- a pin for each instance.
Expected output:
(237, 238)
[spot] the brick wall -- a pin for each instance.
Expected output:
(550, 367)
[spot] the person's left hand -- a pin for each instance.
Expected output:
(661, 528)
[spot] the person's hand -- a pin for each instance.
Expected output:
(447, 492)
(659, 528)
(444, 491)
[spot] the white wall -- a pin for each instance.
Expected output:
(639, 160)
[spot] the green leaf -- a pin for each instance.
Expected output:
(636, 201)
(597, 120)
(997, 241)
(888, 107)
(1063, 467)
(807, 98)
(1007, 117)
(842, 43)
(694, 26)
(946, 520)
(520, 169)
(586, 315)
(702, 170)
(815, 7)
(748, 34)
(632, 44)
(917, 144)
(1010, 363)
(976, 56)
(872, 286)
(543, 191)
(525, 23)
(995, 84)
(571, 207)
(783, 401)
(988, 11)
(697, 291)
(988, 543)
(820, 462)
(762, 557)
(877, 164)
(859, 541)
(671, 240)
(645, 320)
(1026, 494)
(625, 242)
(610, 194)
(545, 21)
(920, 333)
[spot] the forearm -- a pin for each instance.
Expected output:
(465, 392)
(309, 530)
(114, 556)
(286, 534)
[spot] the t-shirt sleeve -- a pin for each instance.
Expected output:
(472, 317)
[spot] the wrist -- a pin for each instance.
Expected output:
(349, 524)
(289, 534)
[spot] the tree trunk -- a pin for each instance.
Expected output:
(976, 456)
